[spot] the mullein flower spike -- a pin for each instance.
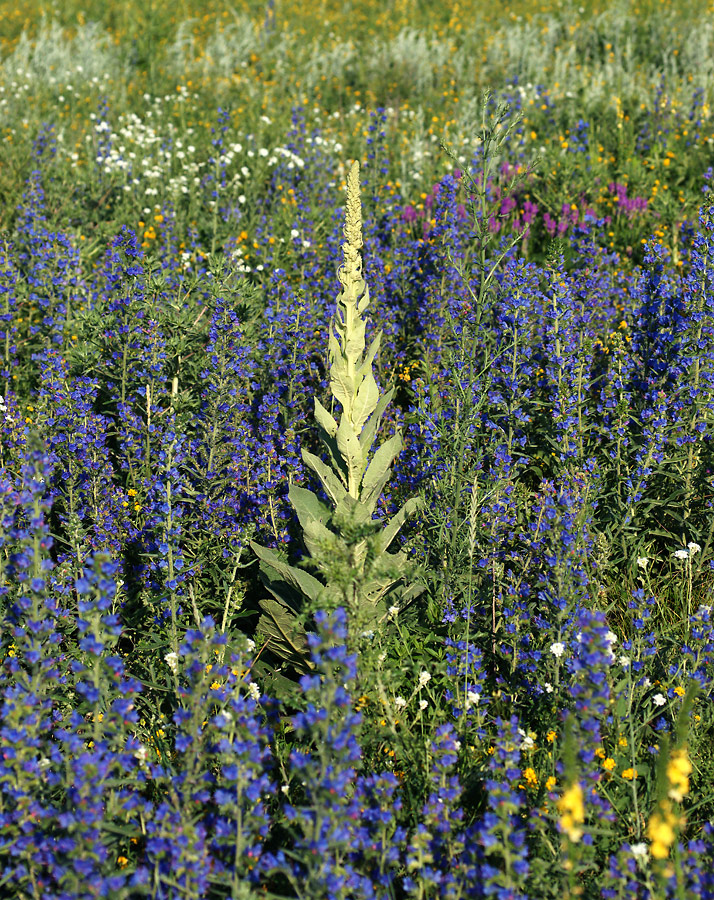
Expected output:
(345, 536)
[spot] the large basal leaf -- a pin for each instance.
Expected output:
(286, 636)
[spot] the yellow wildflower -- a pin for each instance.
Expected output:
(530, 777)
(608, 764)
(678, 771)
(629, 774)
(660, 831)
(572, 812)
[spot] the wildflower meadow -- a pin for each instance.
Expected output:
(357, 450)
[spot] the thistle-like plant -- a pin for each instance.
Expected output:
(347, 545)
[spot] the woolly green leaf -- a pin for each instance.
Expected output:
(364, 302)
(349, 447)
(286, 636)
(330, 482)
(307, 506)
(341, 383)
(355, 341)
(312, 515)
(369, 431)
(391, 529)
(366, 363)
(325, 419)
(351, 510)
(303, 582)
(379, 470)
(365, 402)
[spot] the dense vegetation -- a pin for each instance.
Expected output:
(390, 584)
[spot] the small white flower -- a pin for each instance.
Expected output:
(659, 700)
(171, 660)
(548, 687)
(254, 690)
(141, 753)
(250, 645)
(681, 554)
(640, 852)
(43, 763)
(693, 547)
(528, 742)
(424, 678)
(294, 233)
(472, 698)
(611, 637)
(643, 562)
(646, 682)
(557, 649)
(393, 612)
(400, 702)
(624, 661)
(423, 704)
(285, 788)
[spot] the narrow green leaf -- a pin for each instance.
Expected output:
(301, 581)
(369, 431)
(325, 419)
(330, 482)
(365, 402)
(391, 529)
(379, 470)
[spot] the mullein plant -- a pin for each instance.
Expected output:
(348, 549)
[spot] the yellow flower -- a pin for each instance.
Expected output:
(679, 691)
(622, 741)
(572, 812)
(600, 753)
(629, 774)
(660, 831)
(550, 783)
(608, 764)
(122, 861)
(678, 771)
(551, 736)
(530, 777)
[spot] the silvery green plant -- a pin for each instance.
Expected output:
(347, 546)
